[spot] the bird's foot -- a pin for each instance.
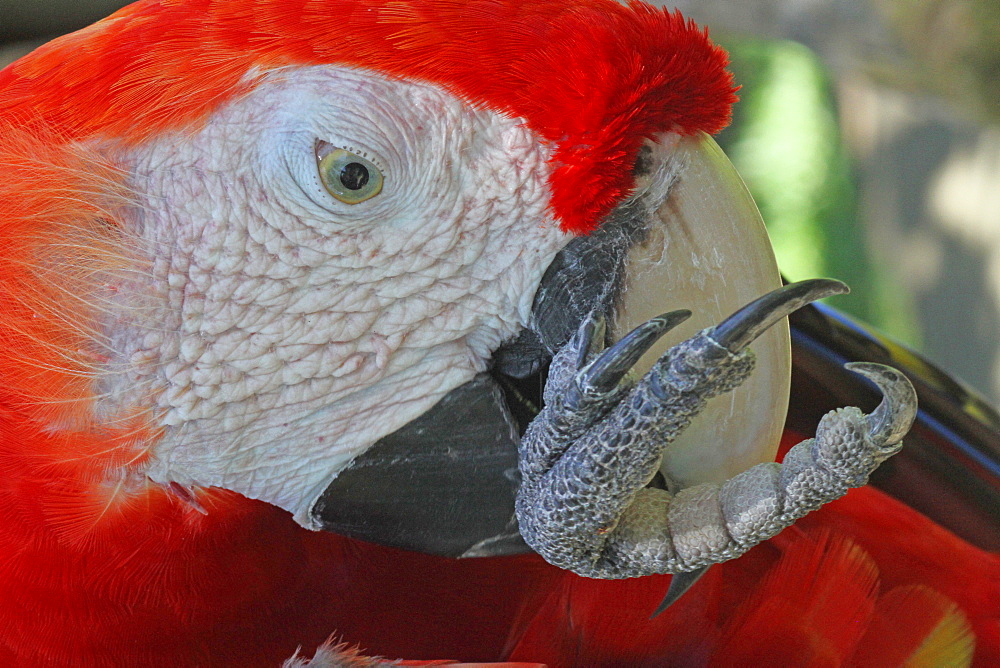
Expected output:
(587, 458)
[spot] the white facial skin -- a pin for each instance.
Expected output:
(283, 332)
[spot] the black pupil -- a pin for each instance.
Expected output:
(354, 176)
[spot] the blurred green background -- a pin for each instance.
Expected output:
(785, 140)
(867, 132)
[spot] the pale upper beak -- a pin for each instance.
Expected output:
(708, 251)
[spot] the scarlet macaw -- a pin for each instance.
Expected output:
(249, 247)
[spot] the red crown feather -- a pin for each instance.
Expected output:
(593, 77)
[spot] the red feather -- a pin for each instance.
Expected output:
(628, 72)
(98, 563)
(100, 567)
(814, 595)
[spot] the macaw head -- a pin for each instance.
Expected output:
(299, 250)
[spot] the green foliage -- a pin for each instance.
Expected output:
(785, 140)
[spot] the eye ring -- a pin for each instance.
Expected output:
(347, 176)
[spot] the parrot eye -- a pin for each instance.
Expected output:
(347, 176)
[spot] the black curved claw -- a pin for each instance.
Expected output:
(591, 334)
(892, 419)
(680, 583)
(738, 330)
(605, 372)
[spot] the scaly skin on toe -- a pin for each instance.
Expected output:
(588, 456)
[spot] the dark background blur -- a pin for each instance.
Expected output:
(869, 133)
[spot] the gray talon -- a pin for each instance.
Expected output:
(680, 583)
(741, 328)
(605, 372)
(591, 334)
(890, 421)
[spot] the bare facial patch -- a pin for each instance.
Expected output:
(284, 331)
